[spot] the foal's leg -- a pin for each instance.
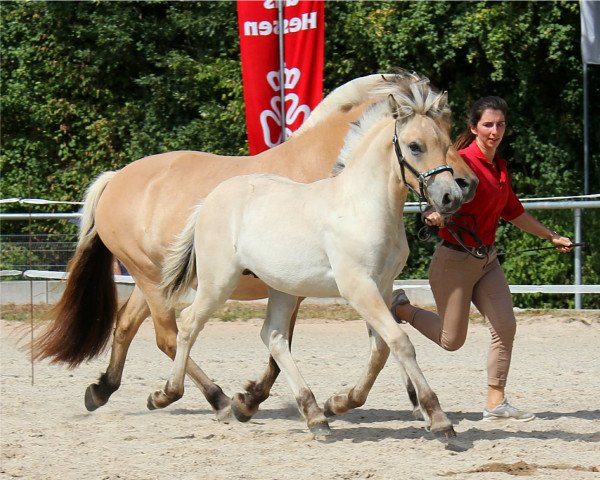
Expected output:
(275, 334)
(357, 395)
(167, 340)
(245, 404)
(130, 317)
(366, 299)
(212, 292)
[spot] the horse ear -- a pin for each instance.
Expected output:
(393, 105)
(441, 101)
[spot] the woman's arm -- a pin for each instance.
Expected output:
(528, 223)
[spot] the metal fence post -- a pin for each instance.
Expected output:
(577, 220)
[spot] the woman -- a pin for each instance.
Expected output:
(461, 274)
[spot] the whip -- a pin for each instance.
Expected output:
(573, 245)
(427, 233)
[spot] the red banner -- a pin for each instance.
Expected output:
(304, 32)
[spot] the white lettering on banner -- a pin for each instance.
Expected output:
(290, 80)
(271, 4)
(308, 21)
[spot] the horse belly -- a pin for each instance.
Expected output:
(289, 266)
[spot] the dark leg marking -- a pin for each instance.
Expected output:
(97, 394)
(317, 423)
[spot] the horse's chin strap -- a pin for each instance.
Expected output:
(421, 177)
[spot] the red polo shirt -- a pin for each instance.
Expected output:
(493, 200)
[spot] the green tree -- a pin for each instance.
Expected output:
(92, 86)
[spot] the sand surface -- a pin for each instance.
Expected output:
(46, 432)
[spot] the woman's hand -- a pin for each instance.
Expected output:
(562, 244)
(433, 218)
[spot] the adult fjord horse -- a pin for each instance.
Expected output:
(340, 236)
(135, 213)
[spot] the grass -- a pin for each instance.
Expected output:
(19, 313)
(231, 311)
(236, 311)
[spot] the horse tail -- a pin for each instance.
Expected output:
(87, 225)
(85, 314)
(179, 269)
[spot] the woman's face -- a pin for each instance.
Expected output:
(490, 128)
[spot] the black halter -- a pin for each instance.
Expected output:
(419, 176)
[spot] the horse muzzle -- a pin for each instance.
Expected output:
(444, 195)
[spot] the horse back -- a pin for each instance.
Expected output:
(147, 202)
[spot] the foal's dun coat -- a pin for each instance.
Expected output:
(136, 212)
(341, 236)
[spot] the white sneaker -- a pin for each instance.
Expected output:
(507, 411)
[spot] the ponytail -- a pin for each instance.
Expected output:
(464, 139)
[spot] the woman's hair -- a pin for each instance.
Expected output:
(475, 113)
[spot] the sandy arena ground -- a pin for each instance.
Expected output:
(46, 432)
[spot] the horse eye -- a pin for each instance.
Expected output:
(415, 148)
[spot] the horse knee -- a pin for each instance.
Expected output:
(122, 334)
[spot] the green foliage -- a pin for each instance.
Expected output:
(91, 86)
(16, 257)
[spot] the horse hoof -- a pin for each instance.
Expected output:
(150, 403)
(444, 432)
(239, 414)
(320, 429)
(240, 409)
(158, 400)
(337, 405)
(90, 400)
(327, 409)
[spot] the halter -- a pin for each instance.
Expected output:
(419, 176)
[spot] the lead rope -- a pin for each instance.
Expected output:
(426, 232)
(458, 231)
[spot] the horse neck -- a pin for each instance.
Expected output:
(372, 169)
(309, 154)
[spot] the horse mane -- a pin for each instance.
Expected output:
(413, 94)
(344, 98)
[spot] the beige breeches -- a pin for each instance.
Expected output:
(457, 279)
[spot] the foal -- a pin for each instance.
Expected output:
(341, 236)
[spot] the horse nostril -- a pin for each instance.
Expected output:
(462, 183)
(450, 203)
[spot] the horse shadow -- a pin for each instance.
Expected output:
(361, 426)
(364, 431)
